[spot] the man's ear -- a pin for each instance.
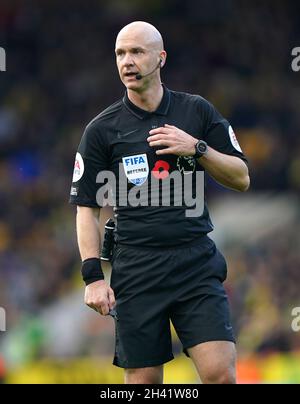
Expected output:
(162, 58)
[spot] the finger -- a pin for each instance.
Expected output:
(160, 136)
(170, 126)
(104, 309)
(159, 130)
(156, 137)
(161, 143)
(92, 307)
(100, 308)
(168, 150)
(111, 299)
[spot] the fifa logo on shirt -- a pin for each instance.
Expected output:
(2, 319)
(296, 60)
(134, 160)
(296, 321)
(2, 60)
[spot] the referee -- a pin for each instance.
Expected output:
(164, 266)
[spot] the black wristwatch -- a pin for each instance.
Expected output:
(200, 149)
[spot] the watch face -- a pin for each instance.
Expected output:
(201, 147)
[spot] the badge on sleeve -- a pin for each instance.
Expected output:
(186, 164)
(136, 168)
(234, 140)
(78, 168)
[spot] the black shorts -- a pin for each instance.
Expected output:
(153, 286)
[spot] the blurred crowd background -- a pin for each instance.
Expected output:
(61, 73)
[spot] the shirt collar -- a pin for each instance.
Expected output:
(162, 109)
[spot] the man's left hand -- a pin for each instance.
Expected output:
(177, 141)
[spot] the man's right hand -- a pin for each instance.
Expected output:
(100, 297)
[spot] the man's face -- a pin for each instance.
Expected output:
(134, 54)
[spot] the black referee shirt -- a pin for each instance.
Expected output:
(116, 141)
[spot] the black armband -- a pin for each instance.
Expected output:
(91, 270)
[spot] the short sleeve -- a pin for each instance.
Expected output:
(218, 133)
(91, 158)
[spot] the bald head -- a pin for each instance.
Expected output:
(139, 55)
(142, 32)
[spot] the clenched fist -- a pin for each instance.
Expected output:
(100, 297)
